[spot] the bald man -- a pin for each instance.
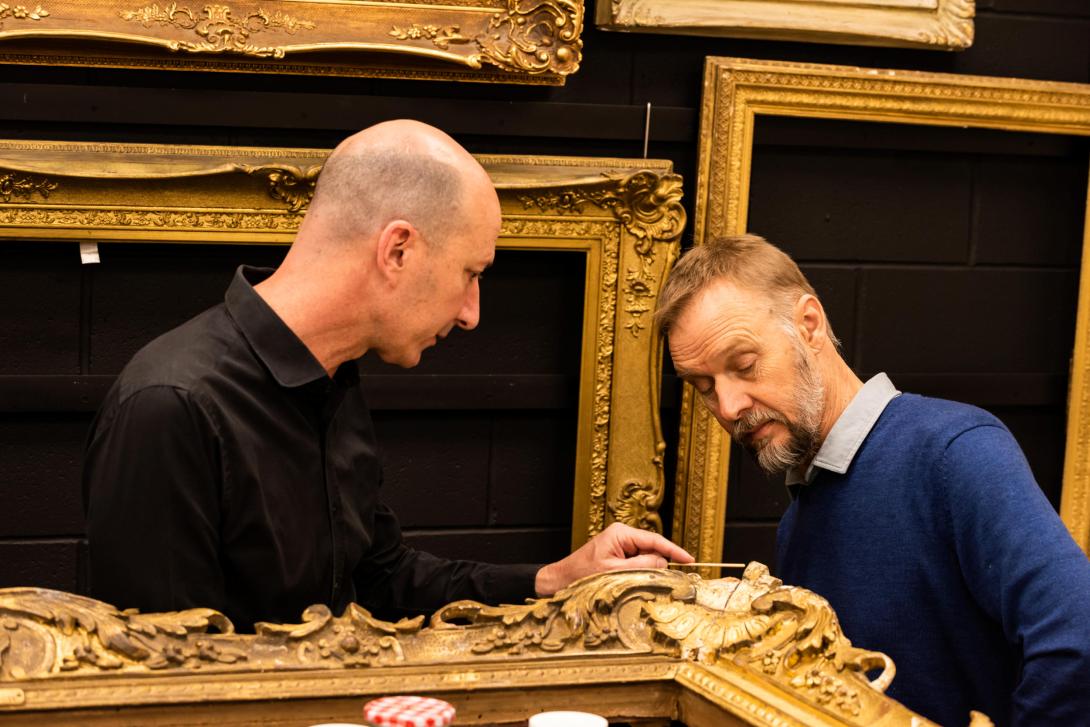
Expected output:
(233, 464)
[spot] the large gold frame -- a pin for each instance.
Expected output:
(643, 646)
(736, 92)
(510, 41)
(625, 215)
(936, 24)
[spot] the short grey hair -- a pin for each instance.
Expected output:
(360, 190)
(749, 261)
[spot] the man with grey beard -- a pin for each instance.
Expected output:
(918, 519)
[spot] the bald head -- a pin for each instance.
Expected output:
(398, 170)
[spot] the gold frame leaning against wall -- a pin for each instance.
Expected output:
(506, 41)
(645, 647)
(739, 91)
(624, 215)
(934, 24)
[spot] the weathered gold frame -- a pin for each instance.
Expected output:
(643, 646)
(625, 215)
(510, 41)
(936, 24)
(736, 92)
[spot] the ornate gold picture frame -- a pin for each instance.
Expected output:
(936, 24)
(736, 93)
(644, 647)
(624, 215)
(509, 41)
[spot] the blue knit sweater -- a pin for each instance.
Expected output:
(938, 548)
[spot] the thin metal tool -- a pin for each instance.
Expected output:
(646, 129)
(710, 565)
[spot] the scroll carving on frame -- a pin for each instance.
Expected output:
(737, 92)
(746, 649)
(935, 24)
(625, 216)
(507, 41)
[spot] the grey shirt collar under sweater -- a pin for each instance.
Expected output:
(847, 435)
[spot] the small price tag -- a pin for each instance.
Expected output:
(88, 252)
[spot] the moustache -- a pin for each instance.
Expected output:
(754, 419)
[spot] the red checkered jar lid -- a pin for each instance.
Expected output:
(406, 711)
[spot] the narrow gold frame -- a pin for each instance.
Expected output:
(935, 24)
(736, 92)
(626, 215)
(505, 41)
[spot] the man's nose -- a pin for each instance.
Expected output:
(470, 315)
(731, 402)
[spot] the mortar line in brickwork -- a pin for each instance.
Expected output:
(1051, 17)
(857, 337)
(974, 211)
(85, 297)
(490, 508)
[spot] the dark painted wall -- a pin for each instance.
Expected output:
(947, 258)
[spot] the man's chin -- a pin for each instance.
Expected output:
(405, 360)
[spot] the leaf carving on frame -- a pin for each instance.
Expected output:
(639, 298)
(293, 185)
(220, 31)
(789, 635)
(953, 25)
(535, 37)
(24, 186)
(21, 12)
(231, 220)
(603, 385)
(441, 37)
(646, 203)
(638, 503)
(49, 632)
(354, 639)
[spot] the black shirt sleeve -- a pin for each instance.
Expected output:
(152, 488)
(394, 580)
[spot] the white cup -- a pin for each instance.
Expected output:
(567, 719)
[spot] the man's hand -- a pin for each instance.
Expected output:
(618, 547)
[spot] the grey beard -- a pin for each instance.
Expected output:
(804, 435)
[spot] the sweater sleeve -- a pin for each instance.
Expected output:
(1024, 570)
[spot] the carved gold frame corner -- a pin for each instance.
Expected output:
(510, 41)
(737, 92)
(643, 646)
(624, 215)
(936, 24)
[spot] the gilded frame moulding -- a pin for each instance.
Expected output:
(625, 216)
(737, 92)
(935, 24)
(650, 645)
(506, 41)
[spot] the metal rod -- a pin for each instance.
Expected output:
(646, 129)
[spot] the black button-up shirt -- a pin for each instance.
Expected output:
(227, 470)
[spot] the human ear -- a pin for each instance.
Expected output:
(810, 321)
(394, 241)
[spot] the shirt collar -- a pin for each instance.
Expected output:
(847, 435)
(285, 356)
